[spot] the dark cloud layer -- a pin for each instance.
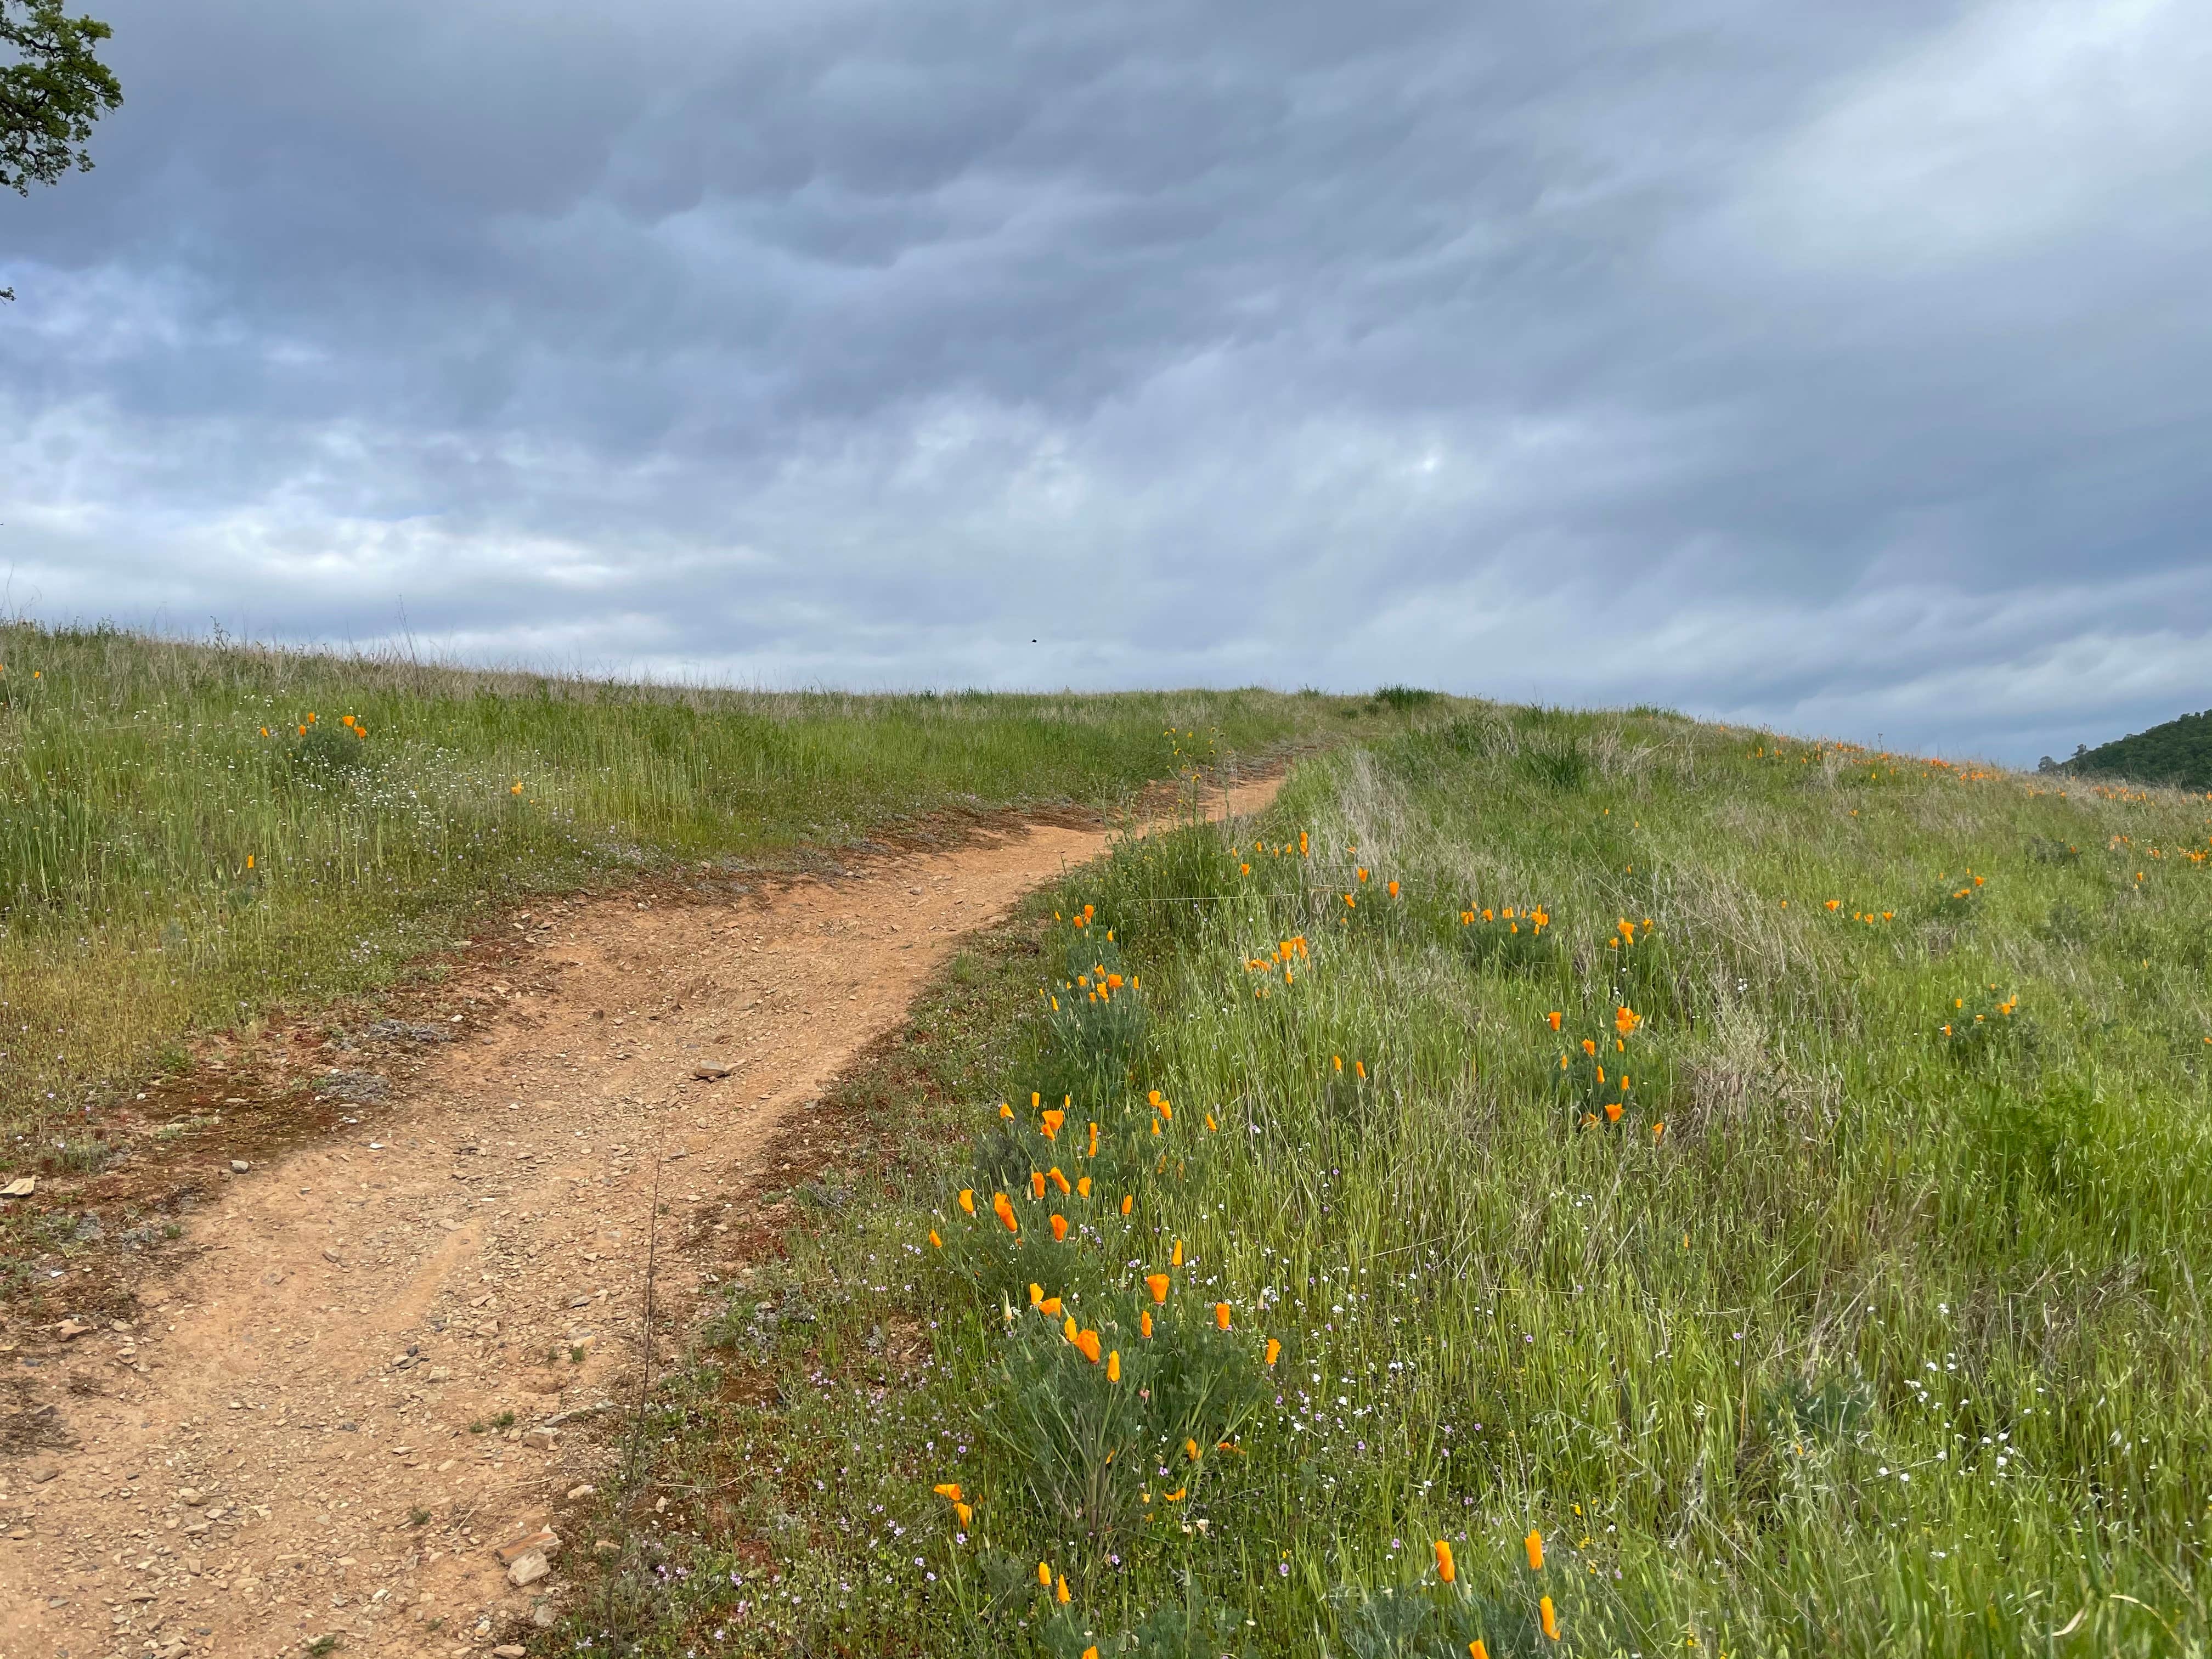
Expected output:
(1846, 372)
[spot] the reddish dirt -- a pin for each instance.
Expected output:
(385, 1351)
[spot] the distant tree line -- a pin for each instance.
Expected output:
(2177, 754)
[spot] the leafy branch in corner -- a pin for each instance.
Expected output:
(51, 94)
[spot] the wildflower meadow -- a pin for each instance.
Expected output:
(1580, 1184)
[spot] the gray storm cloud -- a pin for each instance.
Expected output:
(1847, 372)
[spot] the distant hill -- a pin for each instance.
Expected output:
(2178, 753)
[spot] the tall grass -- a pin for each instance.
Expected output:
(189, 832)
(1871, 1321)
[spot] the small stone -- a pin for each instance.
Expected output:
(528, 1570)
(585, 1490)
(239, 1166)
(543, 1541)
(21, 1187)
(193, 1495)
(439, 1373)
(605, 1546)
(41, 1473)
(542, 1440)
(710, 1070)
(70, 1329)
(510, 1650)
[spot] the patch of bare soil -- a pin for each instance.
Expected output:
(360, 1399)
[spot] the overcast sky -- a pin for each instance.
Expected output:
(1845, 368)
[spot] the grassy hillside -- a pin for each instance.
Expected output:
(189, 833)
(2177, 754)
(1797, 1227)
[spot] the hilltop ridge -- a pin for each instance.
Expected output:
(2176, 754)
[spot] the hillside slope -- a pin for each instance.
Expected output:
(2177, 754)
(1694, 1191)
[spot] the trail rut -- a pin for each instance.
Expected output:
(385, 1358)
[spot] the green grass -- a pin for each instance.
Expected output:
(165, 868)
(1894, 1341)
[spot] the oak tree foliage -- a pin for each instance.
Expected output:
(52, 87)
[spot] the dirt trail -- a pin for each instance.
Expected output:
(308, 1432)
